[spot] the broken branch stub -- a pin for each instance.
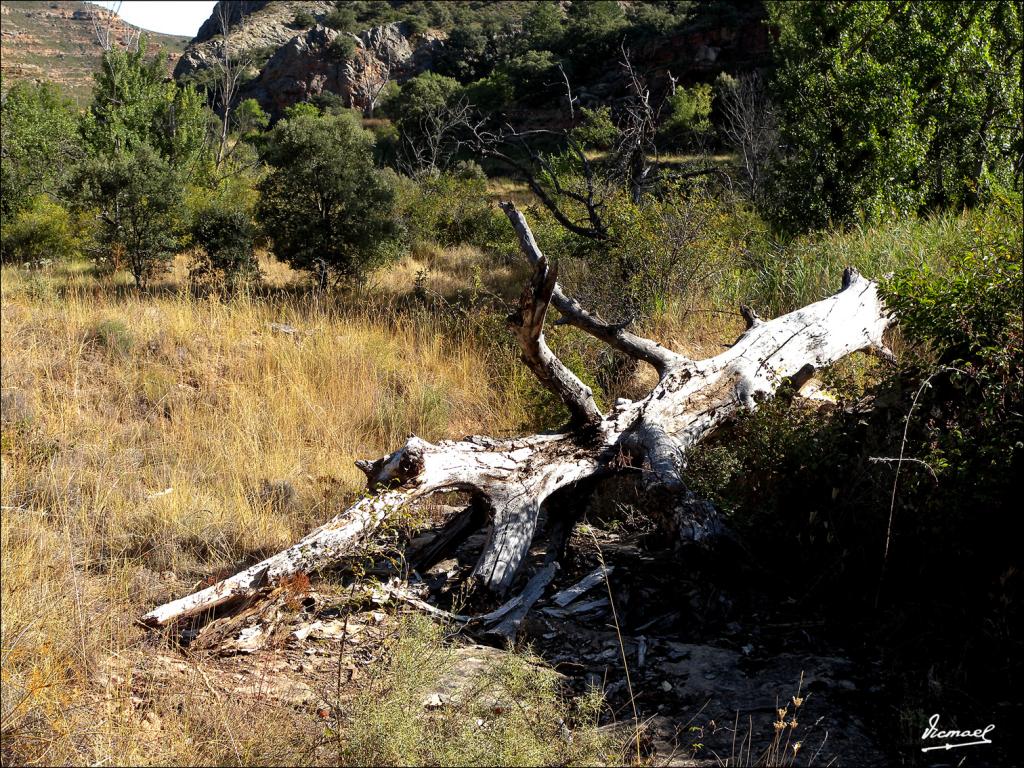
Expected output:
(514, 477)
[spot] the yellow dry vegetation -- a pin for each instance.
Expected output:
(151, 440)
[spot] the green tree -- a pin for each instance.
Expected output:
(139, 198)
(134, 102)
(542, 26)
(885, 108)
(422, 95)
(324, 204)
(39, 145)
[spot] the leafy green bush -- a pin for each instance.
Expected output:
(596, 129)
(966, 323)
(970, 309)
(450, 209)
(510, 713)
(41, 231)
(779, 275)
(689, 110)
(885, 109)
(225, 234)
(303, 20)
(341, 48)
(660, 254)
(342, 19)
(324, 204)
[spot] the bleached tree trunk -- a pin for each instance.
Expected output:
(651, 435)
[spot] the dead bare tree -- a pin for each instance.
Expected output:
(513, 478)
(105, 27)
(750, 127)
(430, 143)
(368, 91)
(636, 152)
(230, 68)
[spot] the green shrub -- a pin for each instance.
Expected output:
(596, 128)
(689, 110)
(342, 47)
(450, 209)
(42, 231)
(324, 204)
(111, 335)
(303, 20)
(225, 234)
(509, 713)
(779, 276)
(342, 19)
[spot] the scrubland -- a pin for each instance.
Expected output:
(151, 440)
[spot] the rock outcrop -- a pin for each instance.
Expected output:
(291, 66)
(304, 67)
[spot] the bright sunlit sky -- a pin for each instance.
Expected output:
(183, 17)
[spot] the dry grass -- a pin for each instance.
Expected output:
(152, 440)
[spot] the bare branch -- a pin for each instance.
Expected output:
(614, 335)
(527, 324)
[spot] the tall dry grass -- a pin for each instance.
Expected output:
(151, 440)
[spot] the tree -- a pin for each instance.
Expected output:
(134, 102)
(229, 70)
(139, 197)
(39, 145)
(324, 204)
(542, 26)
(749, 127)
(431, 114)
(885, 108)
(513, 479)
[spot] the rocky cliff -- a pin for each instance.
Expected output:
(290, 65)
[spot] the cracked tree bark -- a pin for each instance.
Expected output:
(651, 435)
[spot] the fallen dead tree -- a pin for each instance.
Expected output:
(512, 478)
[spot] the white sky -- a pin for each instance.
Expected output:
(181, 17)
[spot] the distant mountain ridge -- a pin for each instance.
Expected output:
(56, 41)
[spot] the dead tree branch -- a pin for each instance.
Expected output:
(515, 477)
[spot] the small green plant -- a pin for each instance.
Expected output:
(303, 20)
(112, 335)
(41, 232)
(509, 713)
(342, 47)
(596, 129)
(225, 235)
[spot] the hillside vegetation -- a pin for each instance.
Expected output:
(56, 41)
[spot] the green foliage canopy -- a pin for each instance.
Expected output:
(886, 108)
(139, 196)
(134, 102)
(324, 204)
(39, 144)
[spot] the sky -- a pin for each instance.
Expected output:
(183, 17)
